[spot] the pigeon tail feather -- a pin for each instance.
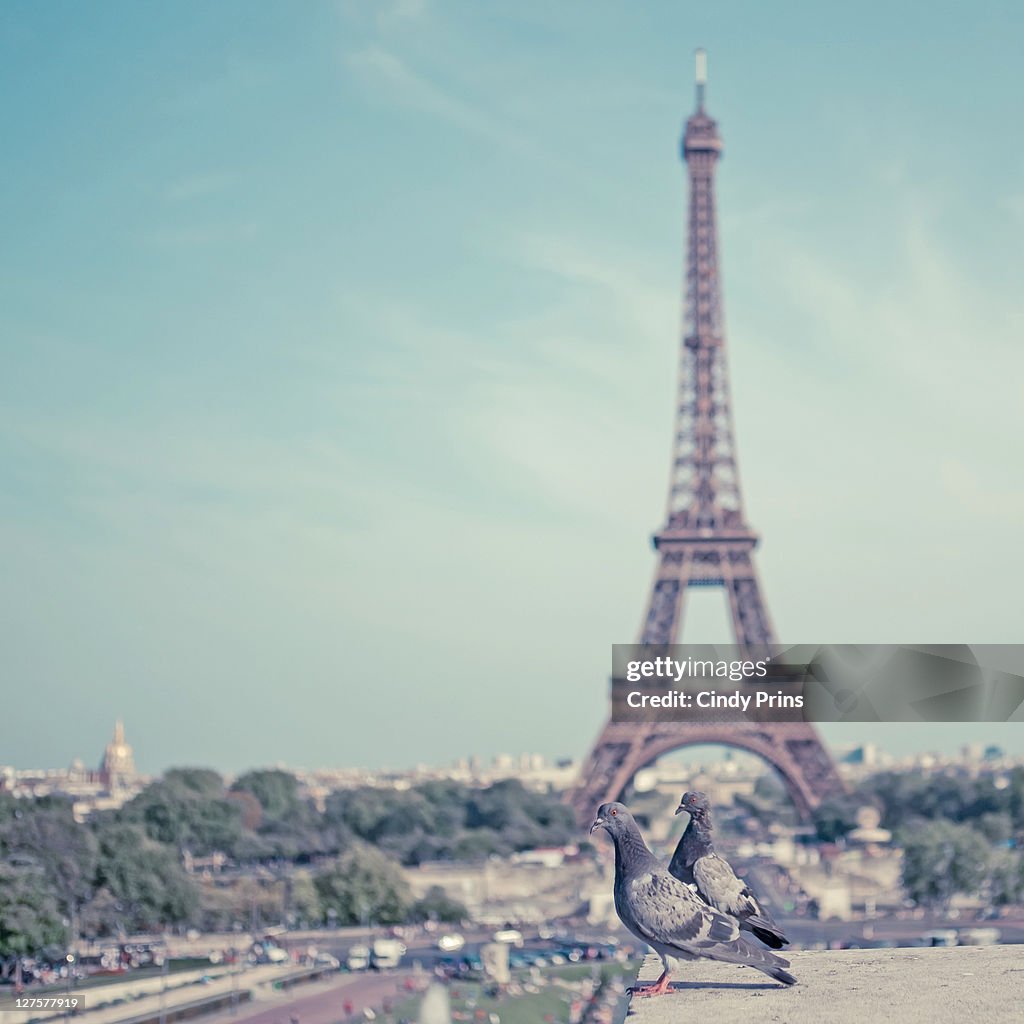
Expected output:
(780, 975)
(766, 931)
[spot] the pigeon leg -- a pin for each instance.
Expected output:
(659, 988)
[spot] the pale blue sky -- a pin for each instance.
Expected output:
(339, 341)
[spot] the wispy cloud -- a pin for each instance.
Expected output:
(385, 74)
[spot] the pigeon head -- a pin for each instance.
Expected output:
(614, 818)
(695, 804)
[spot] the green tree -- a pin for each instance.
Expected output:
(364, 884)
(1006, 877)
(834, 819)
(44, 834)
(187, 810)
(144, 879)
(276, 791)
(446, 820)
(437, 905)
(997, 827)
(204, 782)
(30, 919)
(941, 860)
(305, 899)
(8, 807)
(289, 826)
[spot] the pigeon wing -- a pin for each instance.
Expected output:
(666, 911)
(718, 884)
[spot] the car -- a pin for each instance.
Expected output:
(450, 943)
(387, 953)
(358, 958)
(470, 965)
(510, 935)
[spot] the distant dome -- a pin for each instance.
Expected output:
(868, 817)
(868, 831)
(118, 766)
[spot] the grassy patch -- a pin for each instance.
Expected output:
(529, 1008)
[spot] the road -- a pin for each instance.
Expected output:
(341, 998)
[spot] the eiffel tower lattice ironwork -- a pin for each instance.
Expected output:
(705, 540)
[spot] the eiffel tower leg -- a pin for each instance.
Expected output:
(623, 748)
(663, 620)
(614, 759)
(752, 625)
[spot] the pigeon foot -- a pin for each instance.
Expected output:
(659, 988)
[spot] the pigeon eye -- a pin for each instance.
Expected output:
(614, 812)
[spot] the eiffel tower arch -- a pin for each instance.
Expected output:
(706, 541)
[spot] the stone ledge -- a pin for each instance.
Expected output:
(913, 986)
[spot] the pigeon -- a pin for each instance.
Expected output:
(666, 914)
(695, 862)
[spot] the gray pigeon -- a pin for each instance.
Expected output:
(695, 862)
(663, 912)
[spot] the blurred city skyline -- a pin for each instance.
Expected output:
(895, 740)
(340, 353)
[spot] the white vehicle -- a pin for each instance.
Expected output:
(358, 958)
(939, 937)
(451, 943)
(509, 935)
(387, 953)
(979, 936)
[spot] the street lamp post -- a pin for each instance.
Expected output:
(234, 982)
(163, 989)
(69, 960)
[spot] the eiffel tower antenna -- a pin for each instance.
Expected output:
(701, 61)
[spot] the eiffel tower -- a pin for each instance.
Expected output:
(705, 541)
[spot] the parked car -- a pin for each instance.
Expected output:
(387, 953)
(358, 958)
(450, 943)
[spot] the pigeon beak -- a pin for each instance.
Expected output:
(598, 823)
(680, 809)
